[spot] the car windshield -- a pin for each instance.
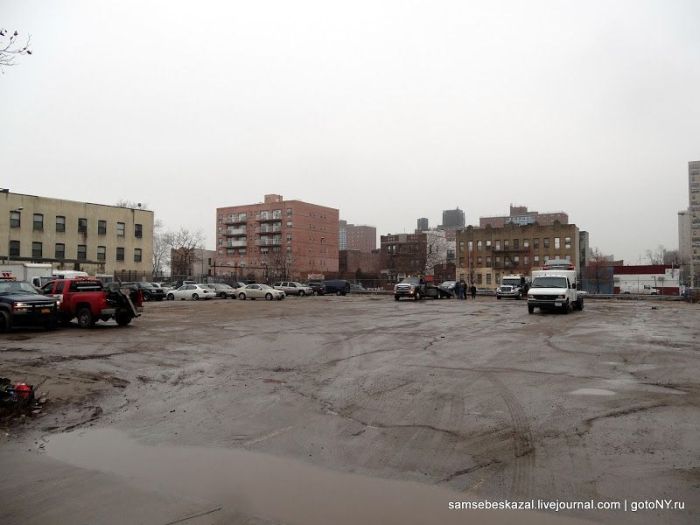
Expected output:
(550, 282)
(17, 287)
(511, 282)
(264, 286)
(411, 280)
(223, 287)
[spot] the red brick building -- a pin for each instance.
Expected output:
(354, 263)
(276, 240)
(360, 237)
(403, 254)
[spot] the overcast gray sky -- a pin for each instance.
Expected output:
(387, 110)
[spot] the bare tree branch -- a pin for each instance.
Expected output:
(10, 49)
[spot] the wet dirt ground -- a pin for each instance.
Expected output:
(356, 410)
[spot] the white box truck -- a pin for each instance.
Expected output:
(30, 272)
(554, 289)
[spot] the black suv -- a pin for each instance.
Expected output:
(150, 292)
(22, 305)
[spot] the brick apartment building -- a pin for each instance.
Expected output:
(520, 215)
(403, 255)
(486, 254)
(355, 264)
(276, 239)
(357, 237)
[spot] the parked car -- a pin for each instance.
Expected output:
(293, 288)
(317, 287)
(223, 290)
(150, 292)
(259, 291)
(166, 287)
(337, 286)
(357, 287)
(195, 292)
(22, 305)
(448, 286)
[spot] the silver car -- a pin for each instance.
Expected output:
(259, 291)
(294, 288)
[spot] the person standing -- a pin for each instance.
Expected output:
(463, 287)
(473, 291)
(458, 290)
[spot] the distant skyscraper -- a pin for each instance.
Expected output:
(453, 219)
(422, 224)
(694, 211)
(342, 235)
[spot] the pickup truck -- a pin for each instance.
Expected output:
(412, 288)
(22, 305)
(88, 301)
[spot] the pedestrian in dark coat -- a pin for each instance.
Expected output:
(473, 291)
(458, 290)
(463, 286)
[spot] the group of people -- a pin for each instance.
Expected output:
(461, 290)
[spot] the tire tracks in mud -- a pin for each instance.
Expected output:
(523, 442)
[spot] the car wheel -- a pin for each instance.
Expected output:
(498, 297)
(241, 296)
(302, 293)
(268, 296)
(396, 298)
(85, 319)
(417, 297)
(195, 297)
(123, 318)
(4, 321)
(530, 309)
(170, 297)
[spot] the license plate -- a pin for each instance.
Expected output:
(558, 303)
(46, 310)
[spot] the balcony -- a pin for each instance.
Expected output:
(267, 229)
(236, 218)
(269, 241)
(266, 216)
(237, 244)
(234, 232)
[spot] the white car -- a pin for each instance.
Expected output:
(195, 292)
(259, 291)
(293, 288)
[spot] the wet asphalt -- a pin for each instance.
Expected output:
(437, 399)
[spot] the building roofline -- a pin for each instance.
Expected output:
(76, 202)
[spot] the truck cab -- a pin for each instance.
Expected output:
(554, 289)
(22, 305)
(513, 286)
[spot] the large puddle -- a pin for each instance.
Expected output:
(271, 487)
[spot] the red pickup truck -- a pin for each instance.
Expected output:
(88, 300)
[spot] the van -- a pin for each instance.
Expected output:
(336, 286)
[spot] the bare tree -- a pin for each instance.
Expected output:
(597, 271)
(10, 48)
(656, 256)
(184, 245)
(161, 248)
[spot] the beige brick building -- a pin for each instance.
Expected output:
(76, 235)
(486, 254)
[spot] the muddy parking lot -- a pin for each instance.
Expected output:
(356, 410)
